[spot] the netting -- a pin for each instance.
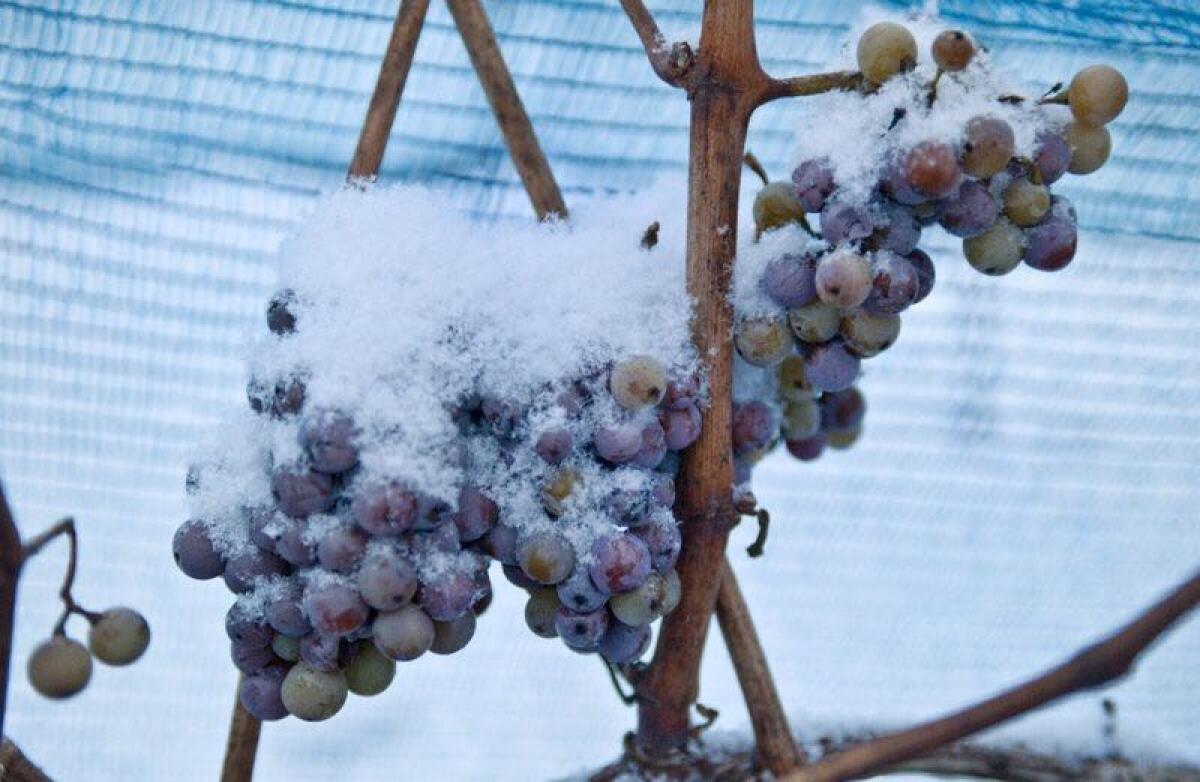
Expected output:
(1028, 476)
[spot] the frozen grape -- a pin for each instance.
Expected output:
(931, 168)
(842, 410)
(250, 658)
(654, 446)
(516, 576)
(619, 563)
(926, 274)
(386, 581)
(682, 393)
(845, 222)
(642, 605)
(663, 541)
(264, 527)
(323, 652)
(1050, 246)
(894, 285)
(793, 379)
(895, 185)
(369, 672)
(801, 418)
(334, 608)
(775, 206)
(815, 323)
(546, 557)
(557, 493)
(384, 509)
(762, 340)
(288, 397)
(476, 514)
(403, 635)
(328, 438)
(623, 644)
(952, 50)
(578, 593)
(59, 667)
(341, 549)
(286, 648)
(502, 415)
(280, 316)
(300, 492)
(900, 231)
(789, 280)
(808, 449)
(1026, 203)
(1089, 147)
(867, 334)
(680, 427)
(1052, 156)
(286, 615)
(501, 544)
(843, 279)
(448, 595)
(294, 545)
(753, 424)
(262, 694)
(840, 441)
(996, 251)
(618, 443)
(662, 490)
(638, 382)
(554, 445)
(884, 50)
(813, 181)
(252, 564)
(452, 636)
(971, 211)
(541, 610)
(313, 695)
(581, 632)
(831, 367)
(1097, 95)
(242, 624)
(988, 146)
(195, 553)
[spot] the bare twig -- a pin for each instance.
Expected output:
(64, 528)
(752, 163)
(773, 740)
(11, 559)
(242, 746)
(523, 147)
(15, 767)
(393, 73)
(1095, 666)
(756, 548)
(650, 236)
(815, 84)
(671, 62)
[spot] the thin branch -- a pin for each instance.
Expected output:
(64, 528)
(650, 236)
(1095, 666)
(752, 162)
(756, 548)
(799, 86)
(242, 746)
(671, 62)
(10, 572)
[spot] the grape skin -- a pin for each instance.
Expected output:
(578, 593)
(195, 553)
(286, 616)
(341, 549)
(843, 410)
(844, 279)
(931, 168)
(952, 50)
(831, 367)
(775, 206)
(989, 146)
(328, 439)
(369, 672)
(894, 286)
(300, 493)
(334, 609)
(808, 449)
(262, 694)
(801, 419)
(476, 513)
(59, 668)
(554, 445)
(926, 274)
(884, 50)
(581, 632)
(753, 424)
(663, 540)
(814, 323)
(1097, 95)
(997, 251)
(541, 612)
(252, 564)
(762, 341)
(1026, 203)
(619, 563)
(813, 181)
(452, 636)
(546, 557)
(845, 222)
(789, 280)
(680, 427)
(403, 635)
(623, 644)
(384, 509)
(970, 212)
(1090, 147)
(313, 695)
(1053, 156)
(638, 382)
(386, 581)
(867, 335)
(1050, 246)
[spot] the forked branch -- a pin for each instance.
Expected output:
(671, 62)
(1095, 666)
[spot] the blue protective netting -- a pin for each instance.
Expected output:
(1029, 474)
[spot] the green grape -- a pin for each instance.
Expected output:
(642, 605)
(1097, 95)
(815, 323)
(286, 647)
(59, 668)
(541, 610)
(801, 418)
(777, 205)
(370, 672)
(869, 335)
(793, 380)
(119, 636)
(1026, 203)
(997, 250)
(763, 341)
(313, 695)
(886, 49)
(1090, 147)
(988, 146)
(450, 637)
(843, 440)
(638, 382)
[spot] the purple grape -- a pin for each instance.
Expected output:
(251, 564)
(334, 609)
(432, 513)
(619, 563)
(623, 644)
(830, 367)
(662, 490)
(442, 538)
(932, 168)
(263, 530)
(682, 393)
(663, 540)
(328, 439)
(341, 548)
(250, 658)
(300, 492)
(901, 231)
(581, 632)
(808, 449)
(195, 553)
(788, 280)
(896, 186)
(753, 425)
(476, 514)
(288, 397)
(627, 507)
(244, 627)
(618, 443)
(546, 557)
(1052, 157)
(743, 470)
(926, 274)
(554, 445)
(844, 222)
(448, 595)
(405, 634)
(579, 593)
(450, 637)
(516, 576)
(970, 212)
(502, 415)
(894, 286)
(501, 544)
(324, 652)
(842, 411)
(573, 399)
(384, 509)
(1050, 245)
(680, 427)
(260, 694)
(813, 180)
(293, 545)
(286, 616)
(386, 581)
(280, 318)
(654, 446)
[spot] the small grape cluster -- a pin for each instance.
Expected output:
(836, 297)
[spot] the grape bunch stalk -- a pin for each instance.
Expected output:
(944, 150)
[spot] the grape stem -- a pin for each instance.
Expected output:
(64, 528)
(752, 163)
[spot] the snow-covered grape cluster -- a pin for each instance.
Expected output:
(923, 143)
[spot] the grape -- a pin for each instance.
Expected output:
(323, 652)
(405, 634)
(516, 576)
(672, 591)
(286, 616)
(845, 222)
(334, 608)
(546, 557)
(801, 418)
(884, 50)
(313, 695)
(341, 549)
(581, 632)
(662, 490)
(663, 541)
(288, 397)
(643, 605)
(561, 487)
(541, 610)
(753, 424)
(843, 279)
(59, 667)
(1052, 157)
(952, 50)
(502, 415)
(1097, 95)
(476, 514)
(654, 446)
(262, 526)
(793, 380)
(369, 672)
(894, 286)
(1089, 147)
(384, 509)
(788, 280)
(261, 694)
(618, 443)
(483, 592)
(280, 318)
(900, 232)
(813, 180)
(814, 323)
(293, 545)
(251, 564)
(775, 206)
(831, 367)
(927, 212)
(619, 563)
(450, 637)
(926, 274)
(244, 625)
(996, 251)
(842, 411)
(195, 553)
(638, 382)
(895, 185)
(1050, 246)
(448, 595)
(554, 445)
(680, 427)
(808, 449)
(1026, 203)
(250, 658)
(682, 393)
(762, 340)
(931, 168)
(971, 211)
(300, 492)
(328, 439)
(988, 147)
(868, 335)
(501, 544)
(260, 397)
(842, 440)
(386, 581)
(286, 648)
(623, 644)
(578, 593)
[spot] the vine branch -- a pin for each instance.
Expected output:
(671, 62)
(64, 528)
(815, 84)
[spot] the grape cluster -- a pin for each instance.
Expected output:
(836, 297)
(347, 571)
(61, 666)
